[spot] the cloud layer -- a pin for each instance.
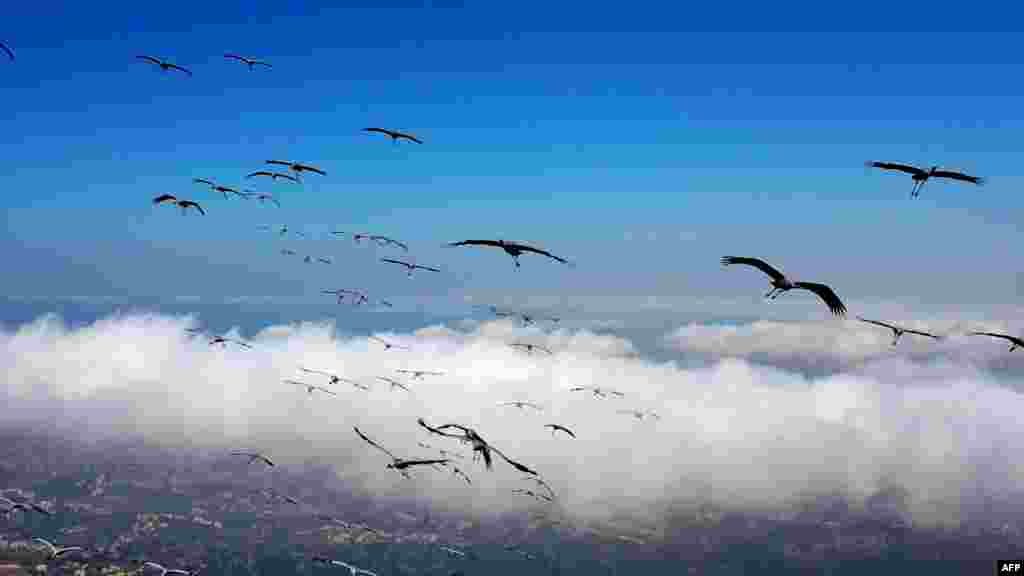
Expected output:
(734, 432)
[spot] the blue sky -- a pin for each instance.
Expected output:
(640, 140)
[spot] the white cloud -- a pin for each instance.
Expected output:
(756, 435)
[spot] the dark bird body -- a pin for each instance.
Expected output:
(782, 284)
(163, 64)
(273, 175)
(409, 266)
(513, 249)
(249, 61)
(557, 427)
(297, 167)
(184, 204)
(920, 175)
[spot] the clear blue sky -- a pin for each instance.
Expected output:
(721, 130)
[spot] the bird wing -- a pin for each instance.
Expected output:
(154, 565)
(325, 390)
(310, 168)
(280, 162)
(825, 293)
(401, 245)
(958, 176)
(150, 59)
(374, 444)
(920, 333)
(526, 248)
(186, 71)
(877, 323)
(46, 543)
(265, 460)
(7, 50)
(260, 173)
(187, 203)
(164, 198)
(203, 181)
(427, 268)
(409, 137)
(380, 130)
(756, 263)
(407, 463)
(517, 465)
(901, 167)
(391, 261)
(259, 63)
(288, 177)
(236, 57)
(562, 428)
(1013, 339)
(477, 243)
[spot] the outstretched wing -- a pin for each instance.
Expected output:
(427, 268)
(407, 463)
(526, 248)
(260, 173)
(517, 465)
(399, 262)
(756, 263)
(4, 47)
(895, 166)
(309, 168)
(560, 427)
(236, 57)
(409, 137)
(187, 203)
(380, 130)
(150, 59)
(958, 176)
(372, 443)
(186, 71)
(280, 162)
(877, 323)
(835, 305)
(1007, 337)
(164, 198)
(920, 333)
(476, 243)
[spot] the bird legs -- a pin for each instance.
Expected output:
(774, 293)
(896, 336)
(1013, 347)
(917, 189)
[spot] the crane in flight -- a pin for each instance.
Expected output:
(597, 391)
(532, 494)
(1013, 340)
(163, 64)
(223, 341)
(386, 241)
(249, 61)
(273, 175)
(310, 388)
(559, 427)
(481, 448)
(395, 135)
(540, 482)
(409, 266)
(7, 50)
(513, 249)
(262, 197)
(13, 506)
(56, 551)
(389, 345)
(920, 175)
(782, 284)
(335, 379)
(356, 296)
(400, 464)
(394, 383)
(255, 456)
(353, 570)
(297, 167)
(898, 331)
(530, 347)
(419, 374)
(520, 404)
(639, 414)
(183, 204)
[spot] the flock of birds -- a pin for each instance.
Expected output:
(292, 172)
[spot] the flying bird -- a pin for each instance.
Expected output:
(394, 383)
(163, 64)
(248, 61)
(261, 197)
(557, 427)
(184, 204)
(454, 551)
(165, 571)
(254, 456)
(394, 134)
(56, 551)
(920, 175)
(389, 345)
(598, 391)
(5, 48)
(224, 342)
(540, 482)
(297, 167)
(357, 297)
(417, 374)
(898, 331)
(310, 388)
(273, 175)
(209, 183)
(13, 506)
(456, 471)
(782, 284)
(225, 189)
(481, 448)
(513, 249)
(335, 379)
(323, 260)
(385, 241)
(397, 463)
(409, 266)
(520, 404)
(638, 414)
(533, 494)
(353, 570)
(530, 347)
(288, 252)
(1013, 340)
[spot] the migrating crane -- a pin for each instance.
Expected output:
(273, 175)
(249, 61)
(310, 388)
(520, 404)
(395, 135)
(163, 64)
(254, 456)
(598, 391)
(513, 249)
(530, 347)
(782, 284)
(557, 427)
(400, 464)
(1013, 340)
(262, 197)
(13, 506)
(184, 204)
(389, 345)
(898, 331)
(409, 266)
(297, 167)
(418, 374)
(481, 448)
(920, 175)
(55, 551)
